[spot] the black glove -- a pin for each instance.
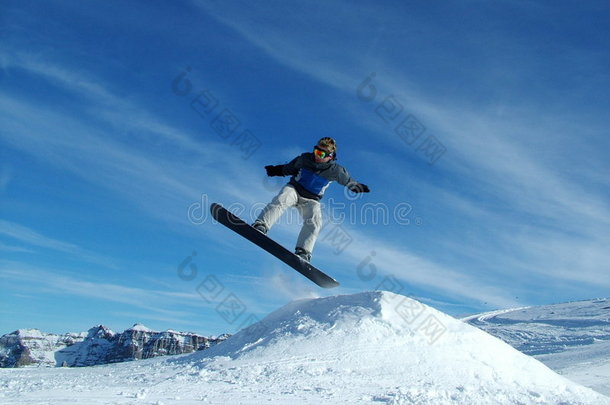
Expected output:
(275, 170)
(359, 188)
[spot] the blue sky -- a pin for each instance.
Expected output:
(481, 131)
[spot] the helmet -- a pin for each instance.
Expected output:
(329, 144)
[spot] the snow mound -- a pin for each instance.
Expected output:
(382, 347)
(368, 348)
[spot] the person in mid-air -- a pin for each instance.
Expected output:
(312, 173)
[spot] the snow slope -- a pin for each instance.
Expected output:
(374, 347)
(571, 338)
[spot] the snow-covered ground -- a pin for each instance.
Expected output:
(374, 347)
(571, 338)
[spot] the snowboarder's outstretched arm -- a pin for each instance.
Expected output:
(289, 169)
(346, 180)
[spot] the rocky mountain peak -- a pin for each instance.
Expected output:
(99, 345)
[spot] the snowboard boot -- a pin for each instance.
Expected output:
(259, 226)
(303, 254)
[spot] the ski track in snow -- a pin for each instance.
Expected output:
(335, 350)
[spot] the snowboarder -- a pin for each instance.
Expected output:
(312, 173)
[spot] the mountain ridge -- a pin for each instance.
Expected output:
(99, 345)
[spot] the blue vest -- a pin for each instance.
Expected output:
(312, 182)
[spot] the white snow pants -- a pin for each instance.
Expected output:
(309, 209)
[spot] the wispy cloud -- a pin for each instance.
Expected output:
(11, 248)
(32, 239)
(189, 165)
(118, 112)
(6, 174)
(378, 261)
(298, 49)
(161, 302)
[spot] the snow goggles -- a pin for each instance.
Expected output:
(321, 153)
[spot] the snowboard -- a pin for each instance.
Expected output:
(237, 225)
